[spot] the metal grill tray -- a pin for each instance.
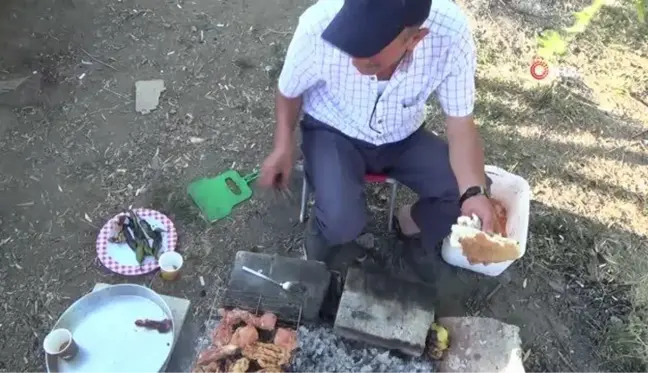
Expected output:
(103, 326)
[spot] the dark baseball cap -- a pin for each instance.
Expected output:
(362, 28)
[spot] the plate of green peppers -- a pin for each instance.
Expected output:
(131, 242)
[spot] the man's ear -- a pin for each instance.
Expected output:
(417, 37)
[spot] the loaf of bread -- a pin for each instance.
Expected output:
(482, 248)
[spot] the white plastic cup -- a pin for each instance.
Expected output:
(59, 343)
(170, 264)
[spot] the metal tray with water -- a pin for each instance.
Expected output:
(103, 326)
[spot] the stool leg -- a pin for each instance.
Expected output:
(392, 206)
(304, 200)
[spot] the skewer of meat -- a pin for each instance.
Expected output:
(224, 331)
(286, 339)
(245, 336)
(214, 354)
(267, 321)
(222, 334)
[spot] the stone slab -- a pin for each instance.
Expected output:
(480, 344)
(180, 309)
(386, 311)
(147, 95)
(248, 291)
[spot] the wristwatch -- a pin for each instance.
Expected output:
(477, 190)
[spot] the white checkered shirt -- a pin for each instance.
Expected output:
(335, 93)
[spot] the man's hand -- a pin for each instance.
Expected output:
(483, 208)
(276, 168)
(467, 161)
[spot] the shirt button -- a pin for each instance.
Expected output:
(373, 78)
(379, 121)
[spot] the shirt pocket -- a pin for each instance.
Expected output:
(411, 102)
(417, 91)
(409, 110)
(412, 95)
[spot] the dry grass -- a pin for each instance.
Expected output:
(582, 145)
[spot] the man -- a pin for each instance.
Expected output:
(361, 72)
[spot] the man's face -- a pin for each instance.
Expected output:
(392, 53)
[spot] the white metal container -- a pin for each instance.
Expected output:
(515, 194)
(102, 324)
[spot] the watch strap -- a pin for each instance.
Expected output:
(473, 191)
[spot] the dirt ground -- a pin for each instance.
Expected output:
(73, 152)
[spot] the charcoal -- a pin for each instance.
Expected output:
(321, 350)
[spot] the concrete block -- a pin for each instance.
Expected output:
(248, 291)
(147, 95)
(479, 344)
(385, 311)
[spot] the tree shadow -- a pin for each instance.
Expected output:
(558, 108)
(619, 25)
(559, 293)
(576, 279)
(543, 157)
(585, 257)
(592, 262)
(616, 24)
(35, 34)
(565, 293)
(505, 110)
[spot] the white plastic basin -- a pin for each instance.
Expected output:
(515, 194)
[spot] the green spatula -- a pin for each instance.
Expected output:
(217, 196)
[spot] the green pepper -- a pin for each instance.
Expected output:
(135, 226)
(144, 243)
(148, 250)
(146, 227)
(130, 240)
(157, 242)
(139, 253)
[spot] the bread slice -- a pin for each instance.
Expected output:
(479, 247)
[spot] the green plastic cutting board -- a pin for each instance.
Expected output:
(215, 198)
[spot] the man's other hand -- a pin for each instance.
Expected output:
(276, 169)
(483, 208)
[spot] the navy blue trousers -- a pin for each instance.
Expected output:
(335, 165)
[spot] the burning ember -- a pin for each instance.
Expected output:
(243, 342)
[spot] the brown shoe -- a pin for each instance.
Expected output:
(405, 223)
